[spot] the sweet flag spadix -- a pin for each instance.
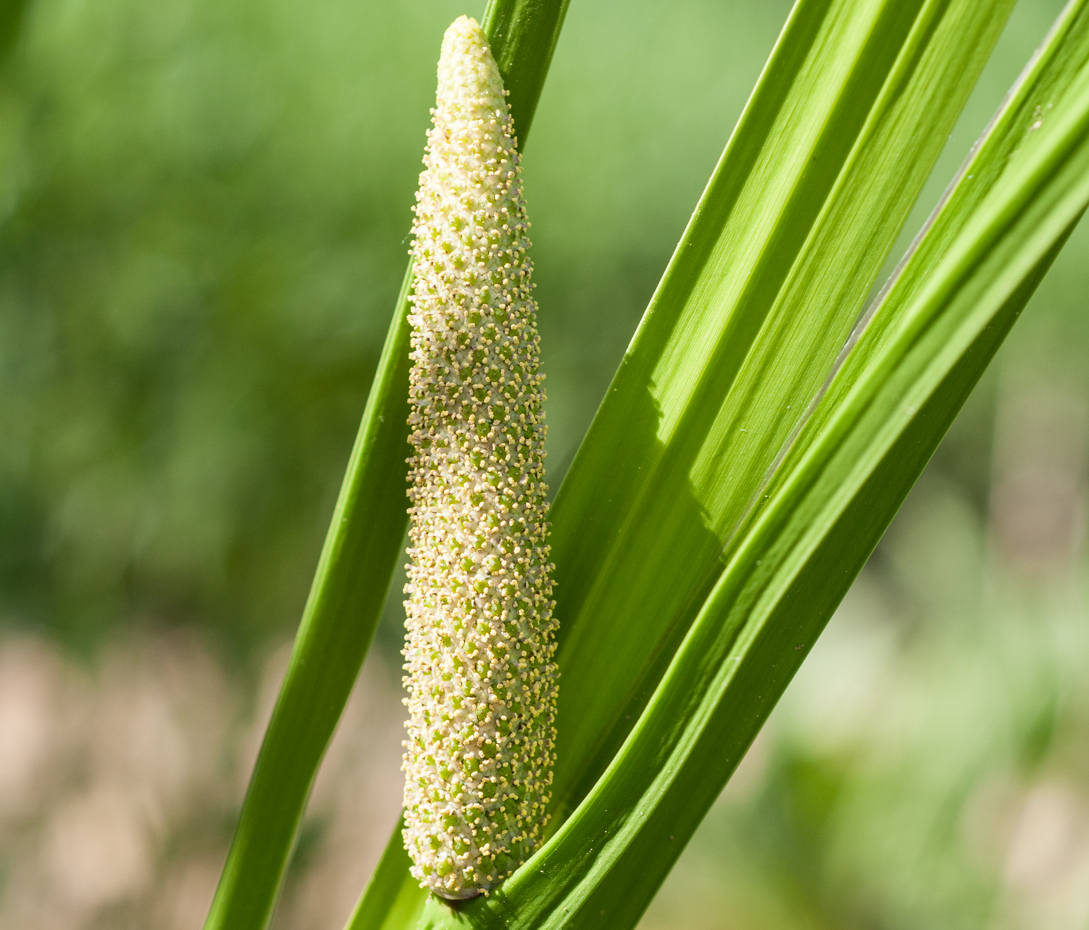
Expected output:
(481, 635)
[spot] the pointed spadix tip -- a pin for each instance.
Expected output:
(466, 65)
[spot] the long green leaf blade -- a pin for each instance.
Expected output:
(358, 558)
(832, 151)
(1048, 74)
(870, 436)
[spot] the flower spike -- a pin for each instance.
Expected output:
(481, 636)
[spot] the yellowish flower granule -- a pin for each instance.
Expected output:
(481, 636)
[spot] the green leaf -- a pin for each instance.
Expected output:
(840, 482)
(357, 561)
(814, 186)
(1026, 109)
(828, 158)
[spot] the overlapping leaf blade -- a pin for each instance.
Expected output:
(1048, 76)
(361, 550)
(834, 146)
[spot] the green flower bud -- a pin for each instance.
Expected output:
(481, 636)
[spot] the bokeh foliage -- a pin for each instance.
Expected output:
(205, 213)
(205, 210)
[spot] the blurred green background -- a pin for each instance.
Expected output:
(204, 208)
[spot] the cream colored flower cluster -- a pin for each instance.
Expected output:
(481, 635)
